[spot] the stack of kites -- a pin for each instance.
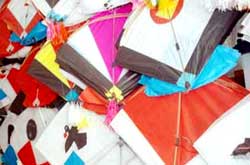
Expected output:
(129, 82)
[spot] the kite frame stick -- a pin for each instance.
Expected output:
(177, 143)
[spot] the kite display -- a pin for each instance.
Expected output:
(185, 59)
(25, 130)
(37, 34)
(232, 123)
(7, 48)
(70, 12)
(89, 55)
(124, 82)
(22, 81)
(45, 69)
(168, 126)
(75, 11)
(20, 15)
(77, 134)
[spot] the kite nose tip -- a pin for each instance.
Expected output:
(187, 85)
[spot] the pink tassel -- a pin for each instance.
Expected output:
(50, 30)
(113, 109)
(56, 33)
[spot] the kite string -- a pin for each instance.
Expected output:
(36, 104)
(178, 122)
(177, 45)
(26, 13)
(112, 108)
(113, 47)
(120, 143)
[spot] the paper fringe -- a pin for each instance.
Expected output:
(227, 4)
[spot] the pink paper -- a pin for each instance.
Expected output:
(107, 33)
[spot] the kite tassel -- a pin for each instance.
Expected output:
(113, 109)
(228, 4)
(56, 33)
